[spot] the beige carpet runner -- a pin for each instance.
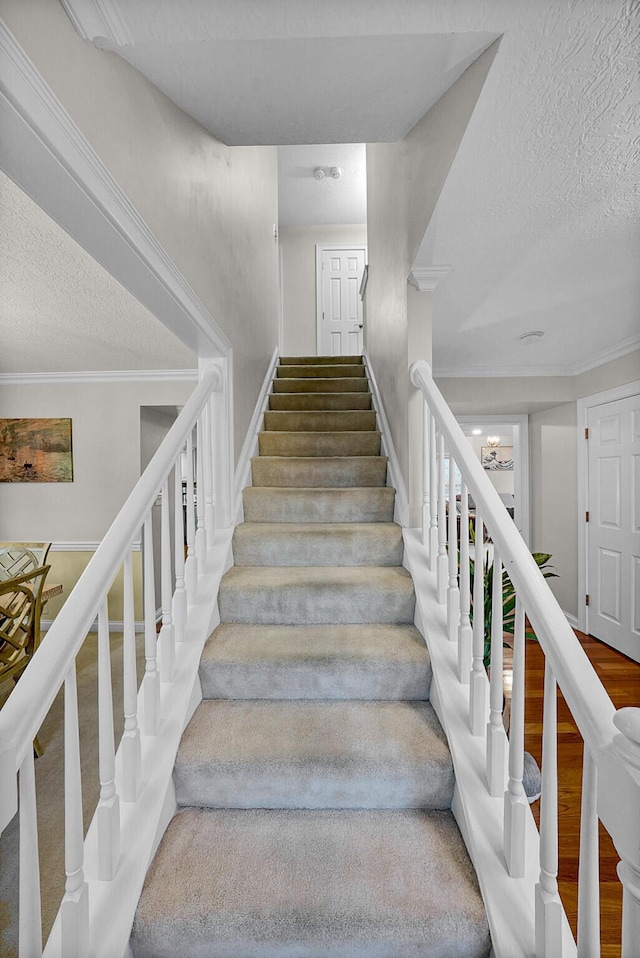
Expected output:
(314, 781)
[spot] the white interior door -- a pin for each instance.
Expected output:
(340, 321)
(613, 528)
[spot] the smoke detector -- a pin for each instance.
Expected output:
(530, 338)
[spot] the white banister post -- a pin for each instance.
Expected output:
(30, 920)
(151, 681)
(549, 910)
(221, 430)
(515, 800)
(426, 474)
(496, 735)
(478, 684)
(433, 486)
(166, 639)
(74, 910)
(442, 565)
(108, 811)
(464, 628)
(453, 592)
(209, 513)
(191, 564)
(131, 757)
(201, 534)
(589, 863)
(180, 595)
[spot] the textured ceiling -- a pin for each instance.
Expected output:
(62, 312)
(305, 201)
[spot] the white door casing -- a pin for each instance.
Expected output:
(613, 527)
(339, 272)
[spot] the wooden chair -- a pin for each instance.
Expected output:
(17, 558)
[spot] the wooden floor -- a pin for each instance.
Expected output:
(621, 678)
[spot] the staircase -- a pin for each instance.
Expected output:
(314, 782)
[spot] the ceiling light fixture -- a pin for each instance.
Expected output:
(530, 338)
(493, 441)
(476, 432)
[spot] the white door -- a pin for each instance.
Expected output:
(613, 528)
(340, 320)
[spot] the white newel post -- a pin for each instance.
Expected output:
(109, 804)
(442, 566)
(515, 800)
(151, 681)
(453, 592)
(433, 486)
(74, 910)
(180, 595)
(201, 535)
(549, 910)
(191, 564)
(209, 513)
(496, 735)
(478, 685)
(131, 756)
(426, 467)
(166, 639)
(589, 863)
(465, 655)
(30, 920)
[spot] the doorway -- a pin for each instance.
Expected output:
(339, 311)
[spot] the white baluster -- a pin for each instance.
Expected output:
(625, 780)
(478, 684)
(465, 655)
(151, 681)
(515, 800)
(209, 511)
(442, 567)
(496, 735)
(549, 910)
(30, 921)
(453, 592)
(166, 639)
(589, 864)
(426, 467)
(201, 535)
(433, 486)
(131, 760)
(74, 910)
(191, 564)
(109, 805)
(180, 594)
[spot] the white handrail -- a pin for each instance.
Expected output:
(28, 704)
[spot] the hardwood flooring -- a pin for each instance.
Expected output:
(621, 678)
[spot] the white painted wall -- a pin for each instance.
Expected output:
(212, 208)
(298, 247)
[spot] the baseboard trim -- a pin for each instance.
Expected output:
(394, 473)
(99, 376)
(571, 619)
(115, 625)
(249, 447)
(87, 546)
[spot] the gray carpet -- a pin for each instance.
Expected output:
(314, 780)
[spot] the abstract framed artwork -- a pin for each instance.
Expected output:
(497, 457)
(36, 450)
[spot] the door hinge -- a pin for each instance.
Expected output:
(586, 600)
(586, 517)
(586, 434)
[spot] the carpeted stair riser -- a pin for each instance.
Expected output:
(291, 402)
(321, 360)
(328, 385)
(264, 504)
(321, 372)
(318, 544)
(316, 596)
(311, 884)
(328, 662)
(325, 421)
(364, 443)
(314, 755)
(314, 471)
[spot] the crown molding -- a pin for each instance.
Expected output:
(100, 376)
(426, 278)
(99, 20)
(608, 355)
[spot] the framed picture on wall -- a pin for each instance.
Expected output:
(497, 457)
(36, 450)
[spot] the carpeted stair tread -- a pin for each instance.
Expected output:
(318, 544)
(304, 754)
(320, 360)
(326, 385)
(327, 420)
(374, 662)
(267, 504)
(319, 471)
(316, 595)
(362, 443)
(323, 371)
(299, 401)
(311, 884)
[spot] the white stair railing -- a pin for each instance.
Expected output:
(611, 782)
(54, 666)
